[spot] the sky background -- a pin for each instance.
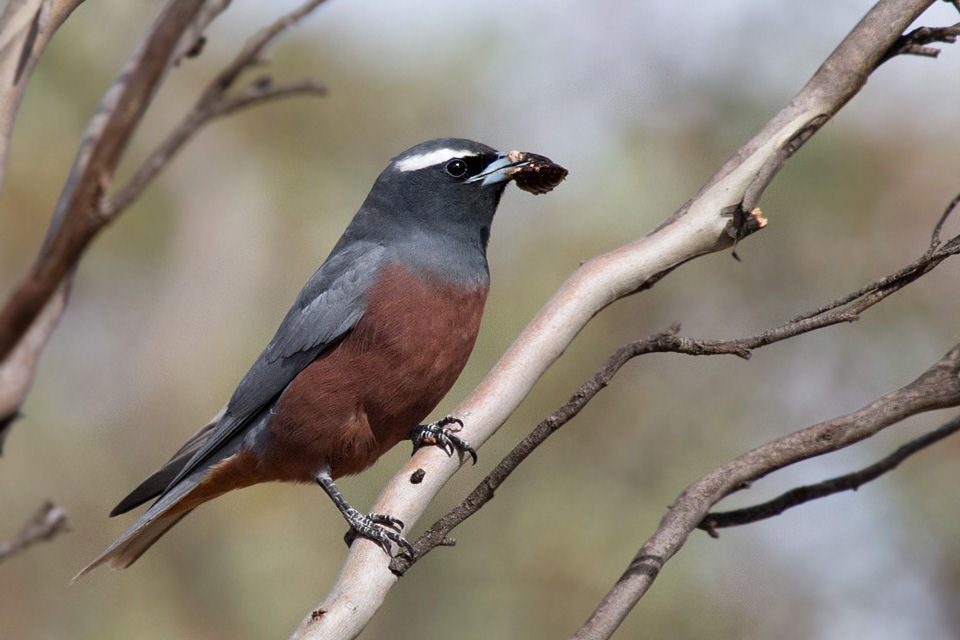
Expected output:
(642, 102)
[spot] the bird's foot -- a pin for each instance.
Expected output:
(379, 527)
(436, 434)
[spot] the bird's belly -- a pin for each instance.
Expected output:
(366, 393)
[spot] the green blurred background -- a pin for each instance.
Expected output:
(642, 101)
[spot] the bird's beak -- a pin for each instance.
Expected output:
(502, 168)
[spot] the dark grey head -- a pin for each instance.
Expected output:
(447, 186)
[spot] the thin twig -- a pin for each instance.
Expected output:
(848, 482)
(18, 369)
(916, 42)
(187, 128)
(80, 213)
(667, 341)
(216, 100)
(252, 52)
(935, 253)
(935, 235)
(49, 521)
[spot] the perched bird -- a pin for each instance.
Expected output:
(375, 339)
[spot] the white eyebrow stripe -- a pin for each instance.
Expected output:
(437, 156)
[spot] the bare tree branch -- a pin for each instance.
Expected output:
(199, 116)
(215, 101)
(47, 522)
(37, 302)
(76, 218)
(937, 388)
(847, 482)
(18, 368)
(252, 52)
(847, 309)
(26, 27)
(701, 226)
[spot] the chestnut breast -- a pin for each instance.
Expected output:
(367, 392)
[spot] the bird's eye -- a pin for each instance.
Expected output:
(456, 168)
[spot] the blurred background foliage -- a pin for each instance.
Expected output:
(642, 101)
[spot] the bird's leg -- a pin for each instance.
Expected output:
(437, 434)
(380, 528)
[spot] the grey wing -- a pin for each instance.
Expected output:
(329, 305)
(158, 482)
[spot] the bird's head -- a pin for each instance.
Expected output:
(451, 182)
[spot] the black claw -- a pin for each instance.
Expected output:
(463, 447)
(438, 435)
(379, 528)
(407, 548)
(387, 521)
(448, 421)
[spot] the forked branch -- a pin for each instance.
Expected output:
(847, 482)
(220, 99)
(937, 388)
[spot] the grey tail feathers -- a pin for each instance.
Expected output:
(162, 514)
(146, 530)
(150, 488)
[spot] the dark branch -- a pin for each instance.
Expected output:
(917, 42)
(200, 115)
(847, 482)
(252, 53)
(935, 236)
(847, 309)
(47, 522)
(935, 253)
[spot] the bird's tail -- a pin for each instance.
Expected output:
(163, 514)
